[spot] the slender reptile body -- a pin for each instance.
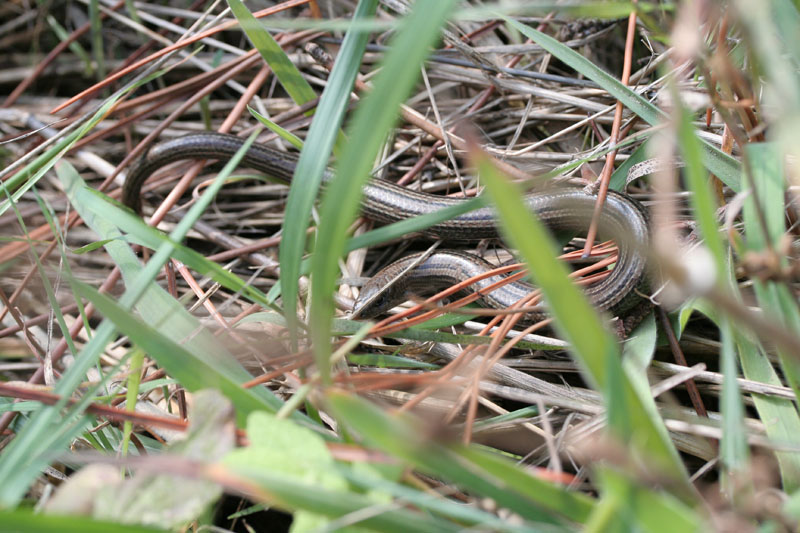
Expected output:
(623, 220)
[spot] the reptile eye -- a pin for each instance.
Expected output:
(377, 304)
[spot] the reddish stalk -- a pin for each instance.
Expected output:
(605, 176)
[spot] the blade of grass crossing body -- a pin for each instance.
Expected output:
(313, 161)
(734, 450)
(373, 119)
(404, 227)
(419, 223)
(721, 164)
(594, 348)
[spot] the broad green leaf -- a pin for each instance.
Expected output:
(150, 497)
(283, 448)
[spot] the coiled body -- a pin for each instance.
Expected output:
(623, 219)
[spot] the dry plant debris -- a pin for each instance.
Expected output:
(111, 332)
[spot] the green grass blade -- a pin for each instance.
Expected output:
(463, 514)
(75, 47)
(289, 494)
(763, 236)
(733, 449)
(372, 121)
(96, 34)
(594, 348)
(18, 521)
(132, 395)
(422, 222)
(421, 333)
(721, 164)
(15, 186)
(140, 233)
(702, 199)
(291, 79)
(313, 161)
(533, 498)
(626, 506)
(157, 307)
(286, 135)
(193, 372)
(412, 225)
(780, 417)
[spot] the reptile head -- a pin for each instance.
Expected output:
(376, 298)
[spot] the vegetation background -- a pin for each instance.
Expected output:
(198, 371)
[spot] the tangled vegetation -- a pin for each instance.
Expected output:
(199, 366)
